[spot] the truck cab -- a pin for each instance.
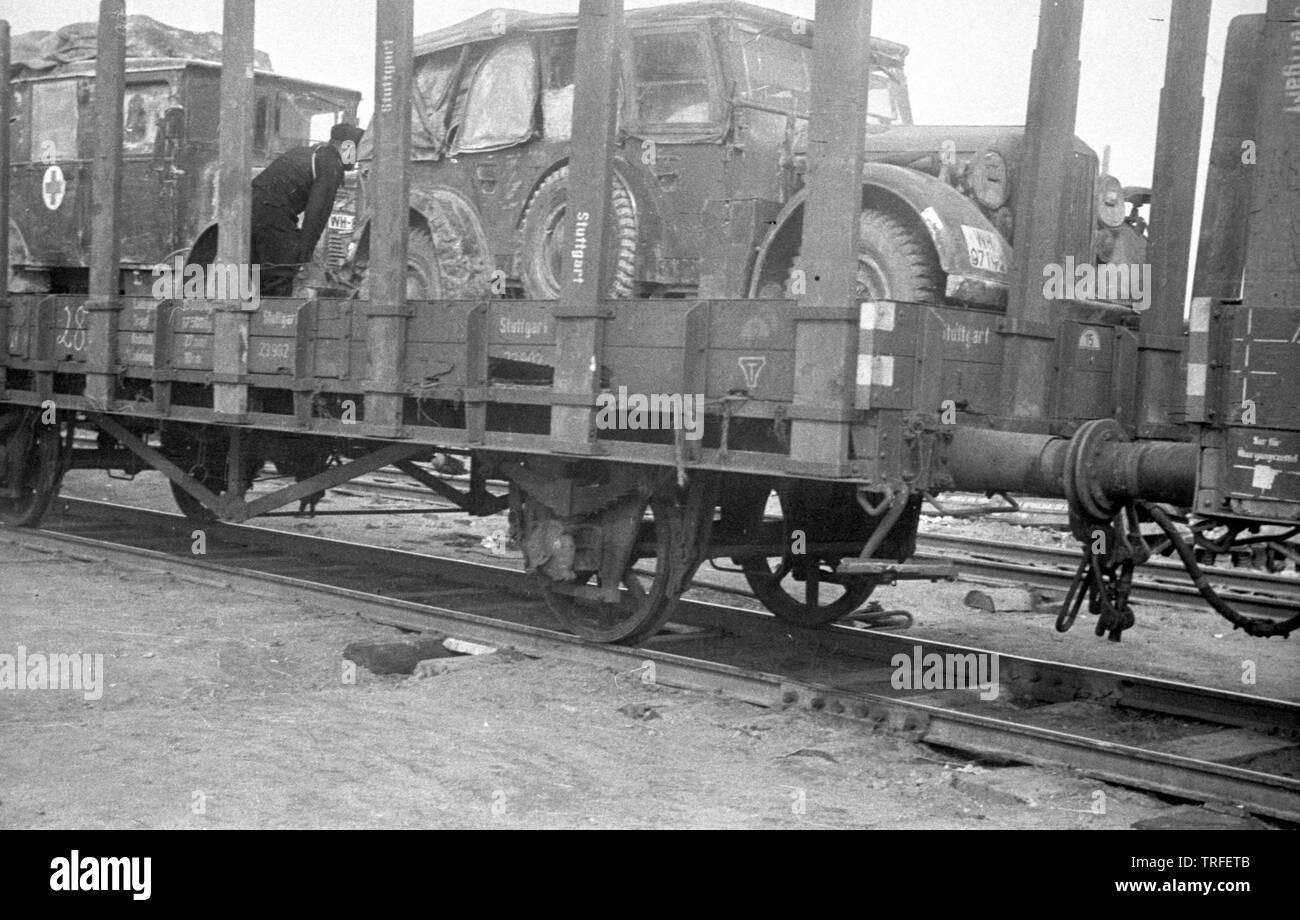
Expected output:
(169, 166)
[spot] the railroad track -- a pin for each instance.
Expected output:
(1165, 736)
(1159, 581)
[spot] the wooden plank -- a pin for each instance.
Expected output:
(6, 104)
(386, 313)
(106, 195)
(229, 361)
(1225, 217)
(825, 352)
(1028, 377)
(1173, 201)
(580, 327)
(1272, 266)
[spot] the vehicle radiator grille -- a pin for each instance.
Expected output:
(1078, 208)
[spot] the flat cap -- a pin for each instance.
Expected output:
(346, 132)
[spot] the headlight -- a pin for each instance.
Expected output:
(1110, 202)
(989, 179)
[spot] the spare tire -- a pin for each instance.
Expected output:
(544, 237)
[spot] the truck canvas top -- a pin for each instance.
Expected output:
(43, 52)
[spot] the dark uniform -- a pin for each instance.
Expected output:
(302, 181)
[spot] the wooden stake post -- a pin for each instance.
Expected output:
(1031, 322)
(387, 310)
(234, 208)
(826, 325)
(580, 315)
(1173, 197)
(6, 101)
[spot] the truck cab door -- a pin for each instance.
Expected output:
(151, 135)
(50, 183)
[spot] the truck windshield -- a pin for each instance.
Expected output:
(672, 78)
(142, 110)
(303, 117)
(777, 74)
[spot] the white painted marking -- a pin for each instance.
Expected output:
(752, 367)
(1200, 318)
(875, 370)
(53, 187)
(876, 315)
(1263, 478)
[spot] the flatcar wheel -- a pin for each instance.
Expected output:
(811, 601)
(32, 468)
(804, 591)
(647, 600)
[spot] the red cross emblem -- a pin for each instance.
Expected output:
(53, 187)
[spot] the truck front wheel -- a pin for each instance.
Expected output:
(896, 262)
(545, 241)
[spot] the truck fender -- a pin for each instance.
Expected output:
(22, 280)
(19, 254)
(959, 231)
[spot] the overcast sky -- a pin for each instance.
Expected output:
(969, 62)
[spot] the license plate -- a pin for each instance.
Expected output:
(985, 249)
(341, 222)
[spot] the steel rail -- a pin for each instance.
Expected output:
(1159, 581)
(1273, 795)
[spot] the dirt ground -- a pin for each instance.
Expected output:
(225, 707)
(1174, 643)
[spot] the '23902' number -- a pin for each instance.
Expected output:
(273, 350)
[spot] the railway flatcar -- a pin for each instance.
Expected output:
(850, 330)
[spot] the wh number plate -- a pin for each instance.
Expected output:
(985, 249)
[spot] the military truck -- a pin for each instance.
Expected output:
(169, 162)
(709, 188)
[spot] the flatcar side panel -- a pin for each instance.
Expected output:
(971, 352)
(437, 339)
(1262, 396)
(645, 350)
(1086, 358)
(273, 338)
(750, 351)
(523, 331)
